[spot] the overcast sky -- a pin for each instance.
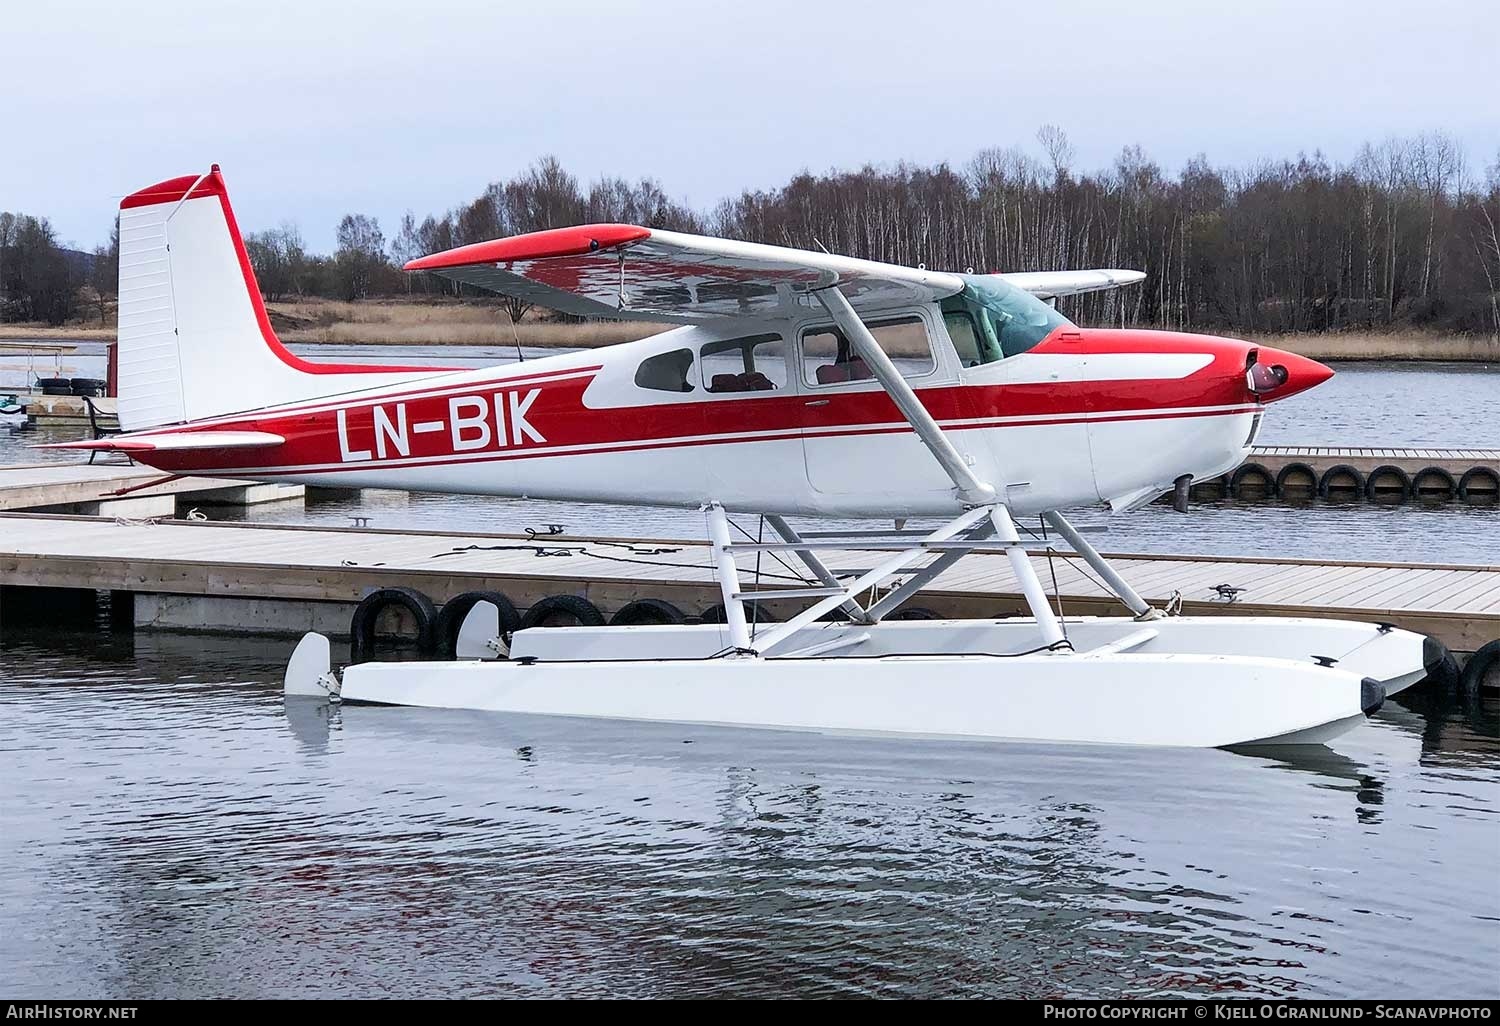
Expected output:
(316, 109)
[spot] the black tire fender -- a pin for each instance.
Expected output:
(1388, 470)
(755, 614)
(1482, 669)
(1450, 484)
(367, 614)
(647, 611)
(580, 609)
(1326, 481)
(914, 613)
(1252, 470)
(451, 618)
(1287, 471)
(1473, 474)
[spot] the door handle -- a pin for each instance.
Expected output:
(816, 402)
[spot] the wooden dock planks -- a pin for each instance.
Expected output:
(1460, 605)
(30, 486)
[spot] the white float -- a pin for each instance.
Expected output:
(1153, 679)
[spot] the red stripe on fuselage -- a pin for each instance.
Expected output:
(688, 443)
(557, 413)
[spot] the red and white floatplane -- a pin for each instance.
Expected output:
(799, 384)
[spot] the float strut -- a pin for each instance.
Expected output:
(1124, 592)
(857, 613)
(729, 576)
(1020, 565)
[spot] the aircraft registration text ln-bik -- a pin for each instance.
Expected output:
(798, 383)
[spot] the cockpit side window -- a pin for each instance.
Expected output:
(992, 319)
(965, 336)
(666, 372)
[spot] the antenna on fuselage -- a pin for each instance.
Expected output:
(821, 246)
(520, 356)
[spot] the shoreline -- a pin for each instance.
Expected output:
(1374, 348)
(439, 331)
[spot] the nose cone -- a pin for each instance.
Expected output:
(1288, 374)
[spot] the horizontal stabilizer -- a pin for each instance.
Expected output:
(173, 441)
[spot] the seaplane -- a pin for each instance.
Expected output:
(792, 384)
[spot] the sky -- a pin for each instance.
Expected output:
(315, 109)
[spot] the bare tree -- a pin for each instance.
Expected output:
(360, 257)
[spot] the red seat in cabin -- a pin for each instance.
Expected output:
(750, 381)
(834, 373)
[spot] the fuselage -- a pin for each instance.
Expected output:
(777, 416)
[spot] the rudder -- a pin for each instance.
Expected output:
(195, 339)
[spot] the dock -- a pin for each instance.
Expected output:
(259, 578)
(1381, 474)
(124, 490)
(68, 409)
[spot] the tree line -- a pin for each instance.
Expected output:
(41, 280)
(1403, 235)
(1406, 234)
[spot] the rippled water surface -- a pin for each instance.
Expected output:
(172, 829)
(168, 827)
(1365, 404)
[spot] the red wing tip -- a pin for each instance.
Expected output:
(554, 242)
(174, 189)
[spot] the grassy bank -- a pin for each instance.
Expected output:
(454, 322)
(1392, 346)
(451, 323)
(44, 333)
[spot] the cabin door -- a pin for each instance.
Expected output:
(855, 442)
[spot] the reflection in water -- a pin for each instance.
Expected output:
(171, 827)
(174, 828)
(1413, 532)
(1364, 404)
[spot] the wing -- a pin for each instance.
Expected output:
(621, 270)
(1051, 284)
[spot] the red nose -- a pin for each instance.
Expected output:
(1278, 374)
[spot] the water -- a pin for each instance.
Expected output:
(1365, 404)
(171, 829)
(1435, 405)
(1447, 533)
(1395, 404)
(89, 361)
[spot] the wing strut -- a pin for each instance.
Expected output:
(981, 498)
(970, 489)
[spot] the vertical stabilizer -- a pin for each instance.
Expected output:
(195, 340)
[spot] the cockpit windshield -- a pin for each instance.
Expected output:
(992, 319)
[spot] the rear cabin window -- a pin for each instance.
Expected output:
(666, 372)
(756, 363)
(829, 359)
